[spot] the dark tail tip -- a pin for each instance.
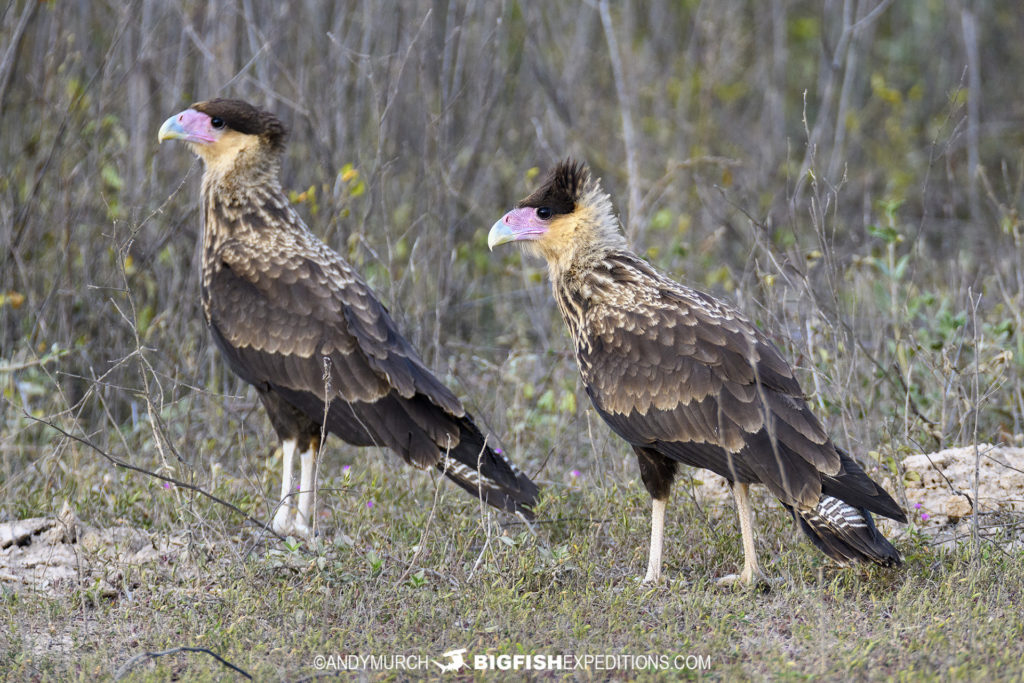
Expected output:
(488, 474)
(847, 534)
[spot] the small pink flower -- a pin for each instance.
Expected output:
(576, 474)
(498, 451)
(167, 485)
(917, 506)
(925, 516)
(346, 468)
(369, 504)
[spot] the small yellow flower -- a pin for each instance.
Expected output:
(12, 298)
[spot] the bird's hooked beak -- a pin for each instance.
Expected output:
(516, 225)
(189, 126)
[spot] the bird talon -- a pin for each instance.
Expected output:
(748, 580)
(282, 524)
(303, 530)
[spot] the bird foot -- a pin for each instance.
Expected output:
(747, 579)
(652, 578)
(302, 530)
(285, 524)
(282, 523)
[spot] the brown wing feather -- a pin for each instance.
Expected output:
(277, 318)
(668, 365)
(284, 315)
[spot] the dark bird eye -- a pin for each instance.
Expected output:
(544, 213)
(217, 122)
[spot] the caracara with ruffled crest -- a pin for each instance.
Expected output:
(294, 319)
(686, 379)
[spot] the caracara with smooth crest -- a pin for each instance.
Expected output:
(294, 319)
(685, 378)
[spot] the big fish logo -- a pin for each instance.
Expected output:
(455, 661)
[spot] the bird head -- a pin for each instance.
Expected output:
(568, 214)
(221, 130)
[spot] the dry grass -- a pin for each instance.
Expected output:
(851, 179)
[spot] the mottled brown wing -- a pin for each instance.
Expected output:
(283, 314)
(668, 365)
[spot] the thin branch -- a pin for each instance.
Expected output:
(628, 130)
(10, 56)
(970, 34)
(975, 392)
(872, 15)
(851, 30)
(145, 656)
(15, 367)
(117, 462)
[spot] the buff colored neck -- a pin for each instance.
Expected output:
(584, 238)
(237, 164)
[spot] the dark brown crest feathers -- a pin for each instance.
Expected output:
(561, 189)
(245, 118)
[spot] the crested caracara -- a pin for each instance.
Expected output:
(295, 320)
(685, 378)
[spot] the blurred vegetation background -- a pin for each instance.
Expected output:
(849, 172)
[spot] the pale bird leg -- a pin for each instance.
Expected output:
(281, 523)
(751, 572)
(304, 516)
(657, 541)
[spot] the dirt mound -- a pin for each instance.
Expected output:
(62, 554)
(944, 497)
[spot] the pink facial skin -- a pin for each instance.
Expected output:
(516, 225)
(189, 126)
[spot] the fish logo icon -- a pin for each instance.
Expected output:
(455, 660)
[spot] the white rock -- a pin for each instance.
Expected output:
(937, 485)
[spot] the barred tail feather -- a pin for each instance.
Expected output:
(846, 533)
(488, 474)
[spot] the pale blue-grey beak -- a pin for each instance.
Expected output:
(501, 232)
(189, 125)
(171, 130)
